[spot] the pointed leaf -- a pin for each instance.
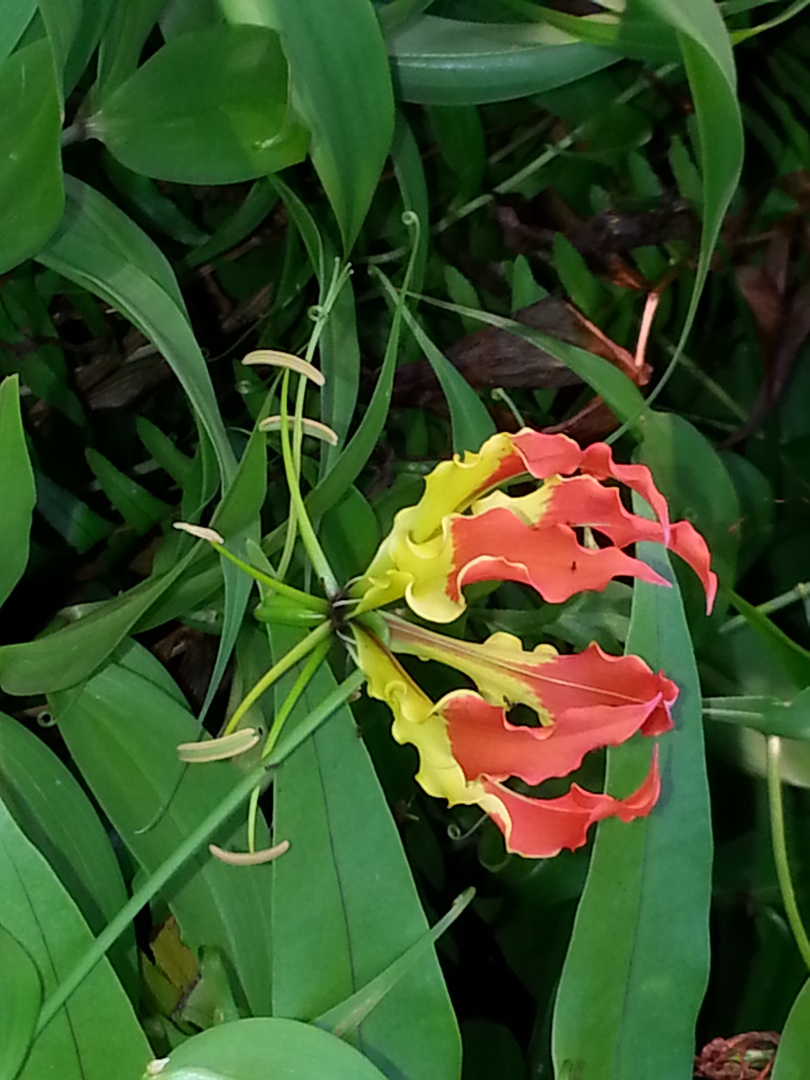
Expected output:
(344, 902)
(17, 491)
(97, 1024)
(639, 955)
(31, 191)
(234, 124)
(20, 999)
(122, 731)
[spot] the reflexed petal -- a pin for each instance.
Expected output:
(541, 828)
(485, 744)
(595, 460)
(582, 500)
(497, 546)
(553, 685)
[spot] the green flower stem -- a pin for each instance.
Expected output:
(773, 749)
(298, 652)
(314, 661)
(260, 777)
(310, 541)
(313, 603)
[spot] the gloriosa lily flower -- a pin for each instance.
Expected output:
(463, 531)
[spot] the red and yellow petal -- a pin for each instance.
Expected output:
(583, 501)
(485, 744)
(498, 546)
(541, 828)
(553, 685)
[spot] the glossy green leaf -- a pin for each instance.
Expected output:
(344, 902)
(62, 19)
(57, 817)
(20, 999)
(137, 506)
(440, 61)
(31, 191)
(794, 1047)
(122, 42)
(259, 1048)
(234, 124)
(341, 88)
(101, 249)
(95, 18)
(639, 955)
(17, 14)
(122, 731)
(350, 1014)
(97, 1023)
(17, 490)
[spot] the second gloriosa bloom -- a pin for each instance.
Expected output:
(463, 530)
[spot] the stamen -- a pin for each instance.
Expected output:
(311, 427)
(227, 746)
(285, 360)
(200, 531)
(249, 858)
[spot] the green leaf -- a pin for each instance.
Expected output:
(55, 814)
(78, 525)
(122, 730)
(234, 124)
(709, 61)
(17, 490)
(344, 903)
(347, 1017)
(341, 88)
(63, 658)
(152, 206)
(770, 715)
(20, 999)
(639, 955)
(17, 14)
(101, 249)
(258, 203)
(470, 421)
(137, 506)
(259, 1048)
(122, 42)
(97, 1021)
(31, 192)
(794, 1047)
(441, 61)
(793, 657)
(62, 19)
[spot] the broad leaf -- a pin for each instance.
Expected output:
(31, 192)
(639, 956)
(233, 124)
(17, 491)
